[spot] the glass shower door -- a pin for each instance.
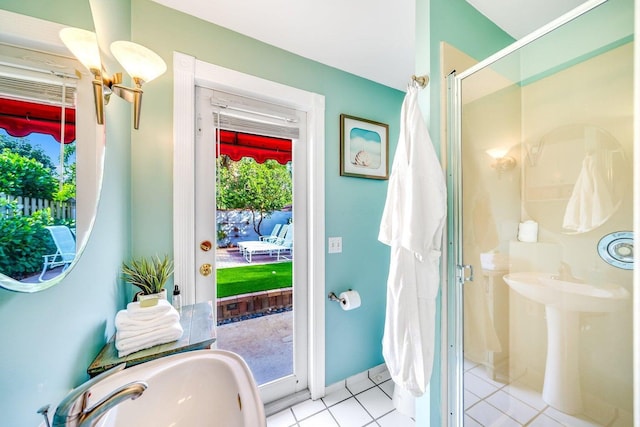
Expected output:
(543, 194)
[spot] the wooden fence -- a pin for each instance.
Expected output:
(28, 205)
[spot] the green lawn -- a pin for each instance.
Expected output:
(253, 278)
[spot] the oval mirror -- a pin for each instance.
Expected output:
(574, 178)
(51, 155)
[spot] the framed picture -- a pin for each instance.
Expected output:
(364, 148)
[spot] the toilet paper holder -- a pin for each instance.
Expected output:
(333, 297)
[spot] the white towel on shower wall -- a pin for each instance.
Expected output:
(590, 204)
(412, 224)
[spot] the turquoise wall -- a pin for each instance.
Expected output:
(50, 338)
(68, 12)
(458, 24)
(353, 205)
(54, 335)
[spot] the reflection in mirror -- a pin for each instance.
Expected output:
(574, 178)
(51, 153)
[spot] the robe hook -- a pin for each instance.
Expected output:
(421, 81)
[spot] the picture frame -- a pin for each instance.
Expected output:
(364, 148)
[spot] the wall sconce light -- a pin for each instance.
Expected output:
(142, 64)
(502, 162)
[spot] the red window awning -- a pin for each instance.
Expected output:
(237, 145)
(21, 118)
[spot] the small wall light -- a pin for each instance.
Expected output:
(83, 45)
(502, 162)
(142, 64)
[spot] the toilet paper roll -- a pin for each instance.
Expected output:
(350, 300)
(528, 231)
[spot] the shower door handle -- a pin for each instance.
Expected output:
(461, 273)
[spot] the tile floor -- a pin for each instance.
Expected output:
(361, 402)
(492, 403)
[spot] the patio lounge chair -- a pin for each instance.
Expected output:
(279, 237)
(65, 249)
(274, 234)
(276, 248)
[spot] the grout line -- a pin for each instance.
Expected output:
(315, 413)
(502, 412)
(538, 415)
(332, 416)
(365, 409)
(390, 397)
(374, 420)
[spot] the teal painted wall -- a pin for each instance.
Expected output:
(353, 205)
(50, 338)
(59, 331)
(68, 12)
(55, 334)
(460, 25)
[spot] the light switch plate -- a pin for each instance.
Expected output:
(335, 245)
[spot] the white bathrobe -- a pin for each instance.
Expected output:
(412, 224)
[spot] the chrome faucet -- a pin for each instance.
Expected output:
(73, 411)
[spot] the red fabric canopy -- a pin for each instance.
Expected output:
(237, 145)
(21, 118)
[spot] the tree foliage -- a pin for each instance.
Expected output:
(258, 187)
(23, 147)
(24, 176)
(20, 174)
(68, 189)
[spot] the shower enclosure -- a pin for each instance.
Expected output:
(540, 166)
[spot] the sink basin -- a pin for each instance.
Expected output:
(564, 301)
(202, 387)
(550, 291)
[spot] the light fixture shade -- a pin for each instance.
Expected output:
(140, 62)
(84, 46)
(497, 153)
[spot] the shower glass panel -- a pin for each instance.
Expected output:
(544, 152)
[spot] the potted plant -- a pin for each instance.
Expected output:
(149, 275)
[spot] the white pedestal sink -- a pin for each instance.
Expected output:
(564, 301)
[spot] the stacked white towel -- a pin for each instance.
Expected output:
(138, 327)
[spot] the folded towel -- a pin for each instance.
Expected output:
(164, 335)
(124, 320)
(135, 332)
(144, 313)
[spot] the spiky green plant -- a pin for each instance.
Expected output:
(150, 275)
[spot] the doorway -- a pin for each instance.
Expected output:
(190, 73)
(259, 156)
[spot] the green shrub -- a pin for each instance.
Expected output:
(23, 240)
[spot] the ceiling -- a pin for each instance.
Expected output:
(364, 37)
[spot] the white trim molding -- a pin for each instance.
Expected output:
(183, 173)
(189, 72)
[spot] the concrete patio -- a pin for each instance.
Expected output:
(265, 342)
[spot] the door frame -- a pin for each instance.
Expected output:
(189, 72)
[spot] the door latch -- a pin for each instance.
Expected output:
(205, 269)
(462, 269)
